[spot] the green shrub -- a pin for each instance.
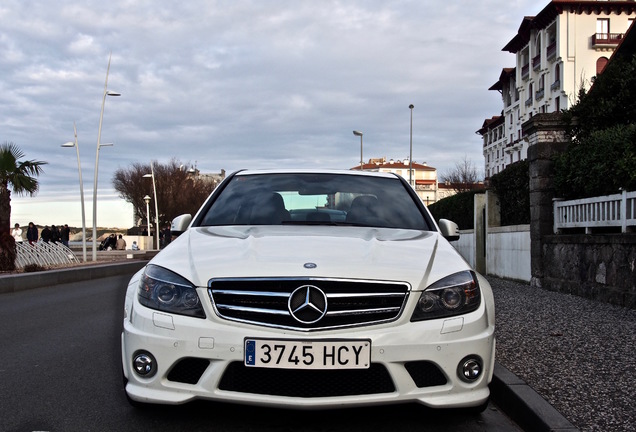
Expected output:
(459, 208)
(601, 158)
(512, 187)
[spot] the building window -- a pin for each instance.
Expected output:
(600, 65)
(536, 60)
(602, 28)
(557, 78)
(557, 104)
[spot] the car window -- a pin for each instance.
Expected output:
(310, 199)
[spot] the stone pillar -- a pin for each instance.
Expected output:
(546, 137)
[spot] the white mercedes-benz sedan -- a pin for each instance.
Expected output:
(310, 289)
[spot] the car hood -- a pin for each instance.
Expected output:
(416, 257)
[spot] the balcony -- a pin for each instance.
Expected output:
(525, 71)
(538, 95)
(606, 40)
(555, 85)
(536, 62)
(551, 51)
(529, 101)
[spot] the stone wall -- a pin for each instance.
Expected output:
(596, 266)
(600, 266)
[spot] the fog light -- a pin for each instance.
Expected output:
(144, 364)
(469, 369)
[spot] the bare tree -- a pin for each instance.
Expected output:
(463, 177)
(178, 190)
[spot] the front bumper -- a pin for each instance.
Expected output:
(203, 359)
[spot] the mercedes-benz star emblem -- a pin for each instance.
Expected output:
(307, 304)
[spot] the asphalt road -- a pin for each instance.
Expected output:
(60, 370)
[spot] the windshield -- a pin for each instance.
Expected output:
(315, 199)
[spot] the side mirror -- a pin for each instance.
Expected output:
(449, 229)
(180, 224)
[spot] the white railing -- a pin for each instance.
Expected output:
(599, 212)
(43, 254)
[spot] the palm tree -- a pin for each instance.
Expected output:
(21, 177)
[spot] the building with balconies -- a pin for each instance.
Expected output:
(423, 178)
(558, 52)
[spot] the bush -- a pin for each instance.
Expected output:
(601, 159)
(459, 208)
(31, 268)
(600, 164)
(512, 187)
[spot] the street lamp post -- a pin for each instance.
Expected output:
(411, 149)
(154, 190)
(147, 199)
(358, 133)
(79, 169)
(99, 144)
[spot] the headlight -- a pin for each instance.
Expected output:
(166, 291)
(453, 295)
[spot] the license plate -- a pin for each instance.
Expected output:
(301, 354)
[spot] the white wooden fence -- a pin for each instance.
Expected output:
(617, 210)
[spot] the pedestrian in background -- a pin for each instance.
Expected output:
(121, 243)
(166, 235)
(17, 233)
(32, 233)
(65, 234)
(46, 234)
(55, 234)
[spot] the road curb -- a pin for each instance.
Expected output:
(524, 405)
(25, 281)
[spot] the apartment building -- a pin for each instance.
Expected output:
(557, 53)
(423, 177)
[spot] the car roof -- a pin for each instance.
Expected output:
(316, 171)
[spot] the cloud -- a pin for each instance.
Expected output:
(248, 84)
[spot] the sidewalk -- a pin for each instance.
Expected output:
(578, 354)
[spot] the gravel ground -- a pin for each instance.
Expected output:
(578, 354)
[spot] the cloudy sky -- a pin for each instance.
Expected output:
(243, 84)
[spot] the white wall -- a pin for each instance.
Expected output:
(507, 251)
(144, 242)
(466, 246)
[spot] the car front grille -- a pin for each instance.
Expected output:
(307, 383)
(332, 302)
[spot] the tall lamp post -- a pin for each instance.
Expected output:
(99, 144)
(154, 190)
(79, 169)
(358, 133)
(147, 199)
(411, 149)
